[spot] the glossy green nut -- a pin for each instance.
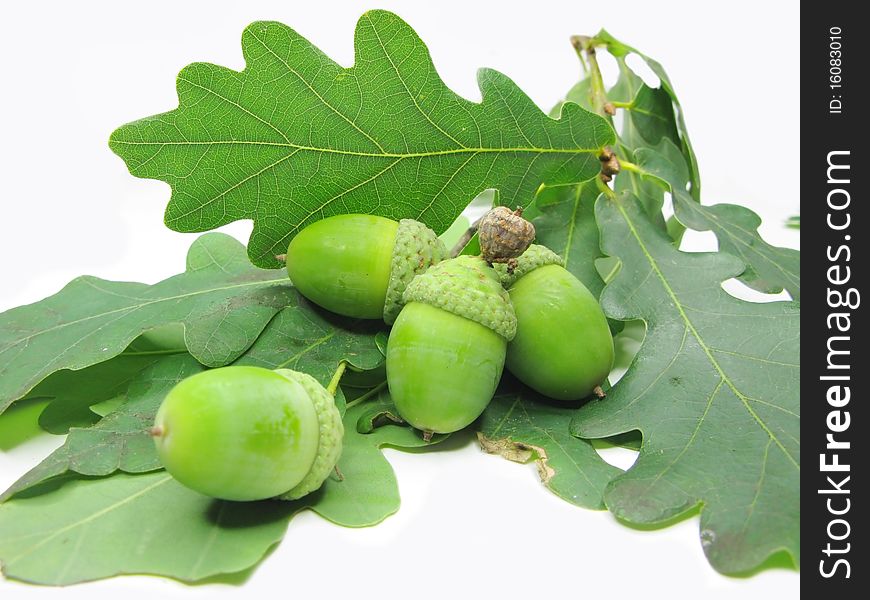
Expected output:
(446, 351)
(359, 265)
(563, 347)
(248, 433)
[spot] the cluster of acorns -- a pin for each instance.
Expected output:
(456, 323)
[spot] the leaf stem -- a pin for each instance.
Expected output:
(598, 93)
(605, 189)
(367, 396)
(336, 377)
(155, 352)
(630, 166)
(463, 241)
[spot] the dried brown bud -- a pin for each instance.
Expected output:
(504, 235)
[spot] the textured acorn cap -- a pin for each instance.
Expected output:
(504, 234)
(417, 248)
(331, 434)
(536, 256)
(466, 286)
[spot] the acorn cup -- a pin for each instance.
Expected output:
(447, 348)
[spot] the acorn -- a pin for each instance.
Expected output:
(249, 433)
(446, 351)
(563, 347)
(359, 265)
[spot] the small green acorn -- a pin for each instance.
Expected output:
(359, 265)
(447, 348)
(563, 347)
(249, 433)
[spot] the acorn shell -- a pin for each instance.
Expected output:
(563, 347)
(248, 433)
(446, 350)
(442, 369)
(359, 265)
(342, 263)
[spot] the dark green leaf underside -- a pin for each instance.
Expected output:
(714, 391)
(221, 299)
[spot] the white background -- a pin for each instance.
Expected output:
(470, 523)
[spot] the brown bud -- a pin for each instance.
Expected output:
(504, 235)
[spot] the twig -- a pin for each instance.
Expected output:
(369, 394)
(336, 378)
(463, 241)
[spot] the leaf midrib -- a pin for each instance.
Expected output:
(691, 327)
(427, 154)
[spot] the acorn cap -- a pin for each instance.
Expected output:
(466, 286)
(417, 248)
(331, 434)
(536, 256)
(504, 234)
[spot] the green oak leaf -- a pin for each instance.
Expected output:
(713, 390)
(222, 300)
(304, 337)
(566, 225)
(769, 268)
(20, 423)
(379, 411)
(793, 222)
(72, 393)
(73, 530)
(366, 492)
(647, 99)
(120, 441)
(627, 88)
(70, 530)
(522, 426)
(296, 137)
(580, 93)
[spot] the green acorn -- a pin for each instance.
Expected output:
(359, 265)
(563, 347)
(446, 350)
(249, 433)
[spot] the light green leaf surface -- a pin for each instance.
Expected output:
(523, 426)
(119, 442)
(72, 530)
(295, 137)
(21, 423)
(75, 530)
(221, 299)
(714, 391)
(304, 337)
(72, 393)
(366, 492)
